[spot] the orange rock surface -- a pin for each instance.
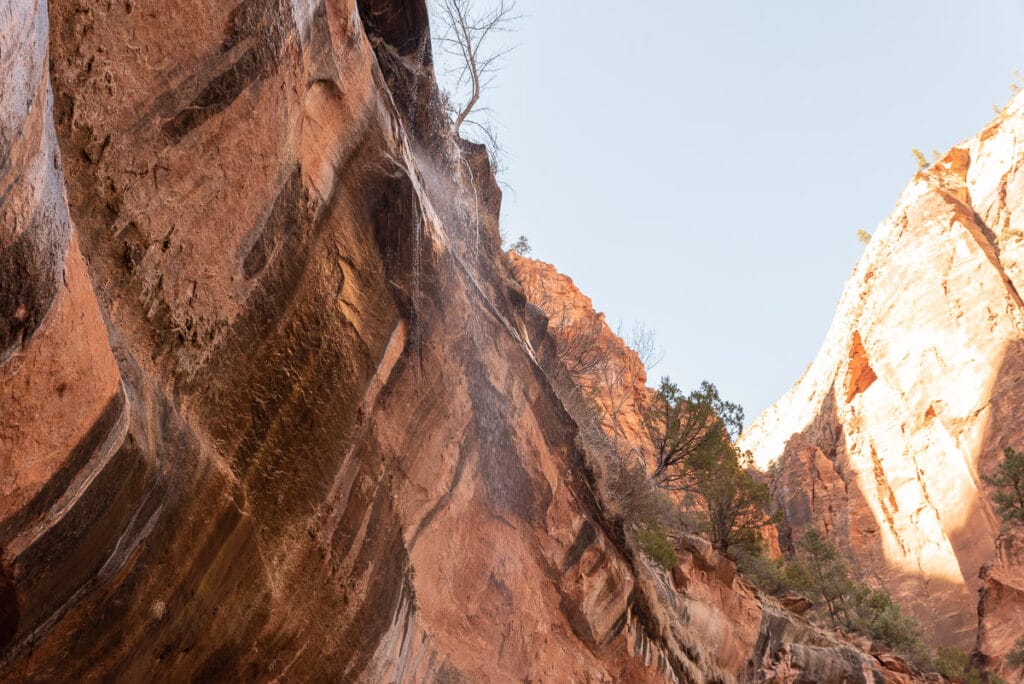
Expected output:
(1001, 605)
(273, 406)
(599, 360)
(278, 422)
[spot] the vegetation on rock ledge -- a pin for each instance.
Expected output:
(1009, 487)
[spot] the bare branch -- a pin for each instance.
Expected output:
(464, 32)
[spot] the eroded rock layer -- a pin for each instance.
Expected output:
(598, 360)
(273, 406)
(277, 422)
(719, 626)
(918, 386)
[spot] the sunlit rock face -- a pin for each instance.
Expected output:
(601, 363)
(917, 388)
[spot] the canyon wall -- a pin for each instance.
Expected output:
(705, 608)
(1001, 606)
(917, 388)
(611, 374)
(274, 407)
(267, 413)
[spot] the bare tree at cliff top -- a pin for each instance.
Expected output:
(463, 33)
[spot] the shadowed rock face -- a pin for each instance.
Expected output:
(269, 408)
(714, 624)
(266, 413)
(917, 389)
(1001, 605)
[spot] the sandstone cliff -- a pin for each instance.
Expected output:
(1001, 606)
(267, 413)
(273, 406)
(917, 388)
(706, 610)
(598, 360)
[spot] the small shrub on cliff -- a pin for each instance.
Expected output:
(767, 574)
(1009, 486)
(922, 161)
(876, 614)
(955, 665)
(657, 546)
(521, 246)
(1015, 658)
(634, 497)
(819, 571)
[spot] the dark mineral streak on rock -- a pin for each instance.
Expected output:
(251, 21)
(58, 483)
(30, 276)
(9, 613)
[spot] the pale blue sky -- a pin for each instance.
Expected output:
(703, 167)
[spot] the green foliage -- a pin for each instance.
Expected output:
(1015, 658)
(521, 246)
(1009, 485)
(692, 436)
(688, 430)
(767, 574)
(658, 547)
(733, 503)
(851, 603)
(956, 665)
(875, 613)
(863, 235)
(683, 428)
(818, 572)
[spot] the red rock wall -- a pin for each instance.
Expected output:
(1001, 606)
(277, 422)
(269, 406)
(609, 372)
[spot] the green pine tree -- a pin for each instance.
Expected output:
(824, 574)
(1008, 482)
